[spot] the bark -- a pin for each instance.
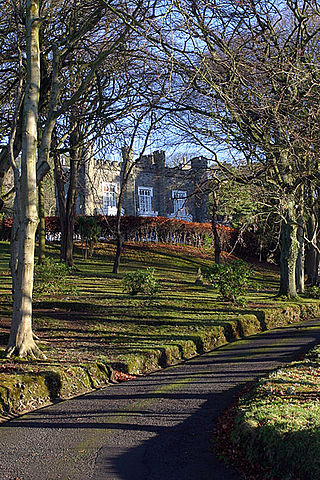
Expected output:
(5, 160)
(60, 192)
(67, 202)
(127, 167)
(217, 243)
(119, 241)
(21, 340)
(312, 256)
(67, 234)
(289, 251)
(44, 150)
(301, 251)
(42, 226)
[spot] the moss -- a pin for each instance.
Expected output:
(280, 417)
(21, 392)
(282, 316)
(101, 326)
(188, 348)
(249, 324)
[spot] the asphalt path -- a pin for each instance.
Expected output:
(157, 427)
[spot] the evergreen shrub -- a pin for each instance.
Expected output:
(232, 280)
(141, 281)
(52, 278)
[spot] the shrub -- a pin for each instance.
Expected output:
(232, 280)
(52, 277)
(89, 231)
(141, 281)
(313, 292)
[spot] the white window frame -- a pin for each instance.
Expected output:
(109, 195)
(179, 203)
(145, 200)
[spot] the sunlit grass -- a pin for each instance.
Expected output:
(103, 322)
(278, 423)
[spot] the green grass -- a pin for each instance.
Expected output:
(278, 422)
(84, 333)
(101, 323)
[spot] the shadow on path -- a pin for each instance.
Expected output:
(158, 427)
(184, 451)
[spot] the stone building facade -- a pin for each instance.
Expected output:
(153, 189)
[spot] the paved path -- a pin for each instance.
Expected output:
(157, 427)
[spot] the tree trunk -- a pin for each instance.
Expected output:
(42, 226)
(21, 340)
(126, 170)
(117, 257)
(217, 243)
(68, 202)
(301, 254)
(59, 181)
(289, 252)
(312, 256)
(71, 203)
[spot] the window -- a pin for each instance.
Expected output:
(145, 195)
(179, 203)
(109, 195)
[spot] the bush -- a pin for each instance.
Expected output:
(141, 281)
(89, 231)
(232, 280)
(313, 292)
(52, 278)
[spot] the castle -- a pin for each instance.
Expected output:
(153, 189)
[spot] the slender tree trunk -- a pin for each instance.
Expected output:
(42, 225)
(67, 221)
(5, 154)
(21, 340)
(117, 257)
(312, 256)
(301, 254)
(68, 202)
(217, 243)
(60, 191)
(14, 245)
(127, 167)
(71, 203)
(289, 251)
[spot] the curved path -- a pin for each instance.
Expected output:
(156, 427)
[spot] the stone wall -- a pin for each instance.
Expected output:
(151, 172)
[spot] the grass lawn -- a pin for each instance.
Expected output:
(101, 325)
(277, 424)
(100, 322)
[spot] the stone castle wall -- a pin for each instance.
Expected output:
(152, 173)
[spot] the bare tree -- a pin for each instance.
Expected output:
(21, 340)
(128, 165)
(48, 62)
(245, 75)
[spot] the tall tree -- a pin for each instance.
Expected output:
(68, 30)
(244, 75)
(21, 340)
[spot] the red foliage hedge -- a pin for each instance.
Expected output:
(5, 228)
(158, 229)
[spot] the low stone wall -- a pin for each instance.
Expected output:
(37, 385)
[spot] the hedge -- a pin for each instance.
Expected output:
(157, 229)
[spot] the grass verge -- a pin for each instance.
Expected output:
(277, 424)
